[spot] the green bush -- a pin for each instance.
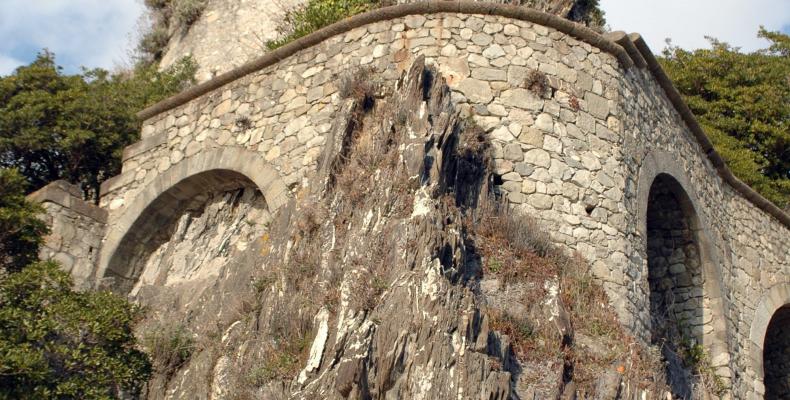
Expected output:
(21, 230)
(56, 343)
(315, 15)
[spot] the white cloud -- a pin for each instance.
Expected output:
(687, 22)
(91, 33)
(8, 64)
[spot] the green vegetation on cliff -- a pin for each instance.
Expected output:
(742, 100)
(167, 15)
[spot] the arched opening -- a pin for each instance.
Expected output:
(185, 186)
(187, 228)
(675, 278)
(776, 355)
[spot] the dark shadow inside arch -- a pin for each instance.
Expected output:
(776, 356)
(675, 279)
(155, 224)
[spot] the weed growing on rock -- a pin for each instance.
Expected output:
(154, 42)
(518, 251)
(357, 84)
(518, 328)
(513, 244)
(170, 346)
(187, 12)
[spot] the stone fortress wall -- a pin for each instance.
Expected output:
(610, 160)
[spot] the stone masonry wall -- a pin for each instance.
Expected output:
(77, 229)
(581, 157)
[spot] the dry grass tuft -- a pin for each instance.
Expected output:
(517, 250)
(538, 83)
(513, 245)
(170, 345)
(358, 84)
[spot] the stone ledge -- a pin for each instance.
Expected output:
(143, 145)
(69, 196)
(116, 182)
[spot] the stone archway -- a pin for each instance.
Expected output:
(170, 193)
(776, 355)
(770, 343)
(683, 278)
(674, 262)
(674, 277)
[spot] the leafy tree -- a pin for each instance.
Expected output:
(742, 101)
(57, 343)
(588, 12)
(21, 230)
(74, 127)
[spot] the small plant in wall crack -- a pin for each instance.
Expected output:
(537, 82)
(574, 103)
(243, 123)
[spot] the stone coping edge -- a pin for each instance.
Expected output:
(143, 145)
(68, 196)
(388, 13)
(616, 43)
(688, 117)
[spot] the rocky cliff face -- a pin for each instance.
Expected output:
(229, 33)
(391, 274)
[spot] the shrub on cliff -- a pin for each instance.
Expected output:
(59, 343)
(315, 15)
(74, 127)
(742, 100)
(21, 230)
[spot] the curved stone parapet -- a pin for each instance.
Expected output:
(607, 144)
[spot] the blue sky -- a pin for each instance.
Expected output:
(91, 33)
(101, 33)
